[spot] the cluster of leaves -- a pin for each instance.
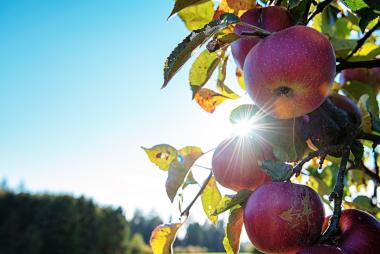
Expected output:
(349, 24)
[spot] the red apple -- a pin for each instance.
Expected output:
(289, 73)
(343, 102)
(272, 19)
(363, 75)
(321, 249)
(283, 217)
(360, 232)
(235, 163)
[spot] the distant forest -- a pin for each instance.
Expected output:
(62, 224)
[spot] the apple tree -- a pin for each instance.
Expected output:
(312, 71)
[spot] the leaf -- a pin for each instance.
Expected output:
(370, 120)
(202, 69)
(162, 238)
(161, 155)
(366, 10)
(179, 168)
(231, 241)
(240, 77)
(198, 15)
(357, 150)
(324, 181)
(294, 3)
(230, 201)
(364, 203)
(183, 51)
(210, 199)
(208, 99)
(356, 89)
(343, 47)
(189, 180)
(221, 86)
(222, 41)
(236, 6)
(243, 112)
(278, 170)
(182, 4)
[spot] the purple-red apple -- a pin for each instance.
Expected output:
(289, 73)
(235, 163)
(343, 102)
(363, 75)
(272, 19)
(282, 217)
(321, 249)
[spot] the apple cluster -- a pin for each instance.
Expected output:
(288, 75)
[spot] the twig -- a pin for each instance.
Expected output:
(337, 195)
(358, 64)
(371, 137)
(303, 21)
(187, 209)
(320, 7)
(321, 153)
(360, 42)
(200, 166)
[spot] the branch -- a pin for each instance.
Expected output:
(359, 64)
(360, 42)
(371, 137)
(320, 7)
(337, 195)
(303, 21)
(187, 210)
(319, 153)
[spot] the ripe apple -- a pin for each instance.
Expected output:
(364, 75)
(360, 232)
(272, 19)
(283, 217)
(235, 163)
(321, 249)
(289, 73)
(343, 102)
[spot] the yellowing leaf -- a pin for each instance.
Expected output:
(182, 4)
(198, 15)
(220, 85)
(179, 168)
(161, 155)
(162, 238)
(230, 201)
(231, 240)
(189, 180)
(237, 7)
(208, 99)
(202, 69)
(240, 77)
(210, 199)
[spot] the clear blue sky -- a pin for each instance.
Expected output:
(79, 95)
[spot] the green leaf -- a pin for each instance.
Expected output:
(198, 15)
(297, 12)
(210, 199)
(364, 203)
(230, 201)
(182, 4)
(294, 3)
(231, 241)
(243, 112)
(343, 47)
(323, 182)
(162, 238)
(278, 170)
(161, 155)
(367, 11)
(202, 69)
(222, 41)
(179, 168)
(357, 150)
(183, 51)
(356, 89)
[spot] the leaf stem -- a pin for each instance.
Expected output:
(187, 209)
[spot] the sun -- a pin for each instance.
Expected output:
(244, 127)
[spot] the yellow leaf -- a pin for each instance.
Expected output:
(231, 240)
(208, 99)
(210, 199)
(198, 15)
(237, 7)
(161, 155)
(162, 238)
(240, 77)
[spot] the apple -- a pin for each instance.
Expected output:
(283, 217)
(346, 104)
(272, 19)
(360, 232)
(363, 75)
(289, 73)
(321, 249)
(235, 163)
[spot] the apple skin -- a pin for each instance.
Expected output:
(235, 163)
(272, 19)
(360, 232)
(343, 102)
(289, 73)
(321, 249)
(364, 75)
(283, 217)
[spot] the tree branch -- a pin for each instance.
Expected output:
(337, 195)
(359, 64)
(360, 42)
(320, 7)
(371, 137)
(303, 21)
(187, 209)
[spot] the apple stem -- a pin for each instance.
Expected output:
(337, 195)
(187, 209)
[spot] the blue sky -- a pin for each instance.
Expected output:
(80, 93)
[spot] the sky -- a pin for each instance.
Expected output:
(80, 94)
